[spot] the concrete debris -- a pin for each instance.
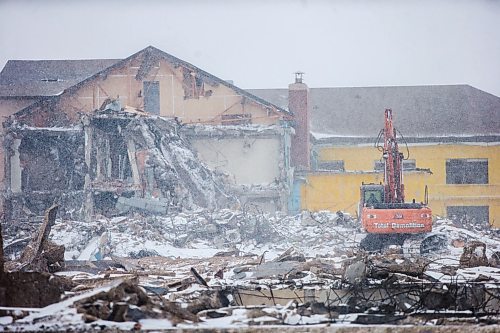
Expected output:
(382, 267)
(355, 273)
(224, 230)
(474, 255)
(172, 167)
(284, 279)
(495, 259)
(125, 302)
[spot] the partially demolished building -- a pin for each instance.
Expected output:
(150, 132)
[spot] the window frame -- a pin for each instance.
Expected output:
(467, 171)
(154, 108)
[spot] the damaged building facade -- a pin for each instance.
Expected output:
(149, 132)
(130, 134)
(452, 133)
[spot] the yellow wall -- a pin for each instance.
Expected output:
(340, 191)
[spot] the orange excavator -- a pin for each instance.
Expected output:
(385, 216)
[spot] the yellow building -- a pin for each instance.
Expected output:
(452, 133)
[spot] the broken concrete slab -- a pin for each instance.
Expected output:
(274, 269)
(355, 273)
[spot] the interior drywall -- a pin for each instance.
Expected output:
(247, 161)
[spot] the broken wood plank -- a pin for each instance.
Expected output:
(198, 277)
(35, 247)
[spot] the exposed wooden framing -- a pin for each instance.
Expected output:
(133, 162)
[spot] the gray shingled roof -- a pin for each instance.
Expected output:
(419, 111)
(20, 78)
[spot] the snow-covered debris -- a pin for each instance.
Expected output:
(270, 269)
(203, 233)
(177, 172)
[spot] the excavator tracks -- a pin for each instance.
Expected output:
(411, 244)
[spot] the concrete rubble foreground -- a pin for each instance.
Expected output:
(247, 270)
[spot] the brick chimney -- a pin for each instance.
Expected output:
(299, 104)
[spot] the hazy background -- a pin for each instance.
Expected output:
(259, 44)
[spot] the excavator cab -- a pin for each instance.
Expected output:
(371, 195)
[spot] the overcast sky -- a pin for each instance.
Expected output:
(259, 44)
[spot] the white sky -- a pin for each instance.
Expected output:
(259, 44)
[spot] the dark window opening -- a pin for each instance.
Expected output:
(110, 155)
(467, 171)
(152, 97)
(236, 119)
(335, 165)
(51, 162)
(469, 214)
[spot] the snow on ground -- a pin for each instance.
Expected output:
(202, 234)
(195, 240)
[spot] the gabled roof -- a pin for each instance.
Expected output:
(41, 78)
(419, 111)
(75, 73)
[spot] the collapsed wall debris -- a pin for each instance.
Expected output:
(26, 282)
(98, 165)
(41, 254)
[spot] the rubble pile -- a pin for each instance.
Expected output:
(231, 269)
(183, 180)
(203, 233)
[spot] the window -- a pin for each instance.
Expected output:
(467, 171)
(469, 214)
(152, 97)
(407, 165)
(336, 165)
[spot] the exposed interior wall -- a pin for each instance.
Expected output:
(341, 190)
(248, 160)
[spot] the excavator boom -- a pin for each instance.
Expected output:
(384, 214)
